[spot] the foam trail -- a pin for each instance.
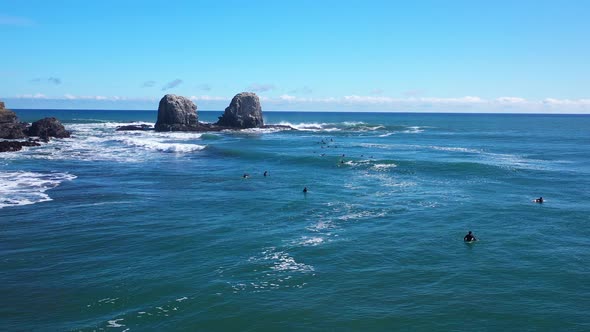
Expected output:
(158, 145)
(24, 188)
(383, 167)
(308, 126)
(309, 241)
(113, 323)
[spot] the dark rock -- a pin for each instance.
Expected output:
(13, 130)
(10, 146)
(10, 127)
(48, 127)
(244, 111)
(135, 127)
(177, 113)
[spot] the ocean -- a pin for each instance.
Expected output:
(146, 231)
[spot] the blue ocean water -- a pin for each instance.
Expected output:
(142, 231)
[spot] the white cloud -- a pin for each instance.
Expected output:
(511, 100)
(430, 104)
(288, 98)
(368, 99)
(428, 100)
(566, 102)
(72, 97)
(460, 100)
(68, 96)
(355, 103)
(32, 96)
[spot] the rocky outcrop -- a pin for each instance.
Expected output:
(177, 113)
(11, 146)
(244, 111)
(10, 127)
(48, 127)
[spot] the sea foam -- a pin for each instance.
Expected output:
(24, 188)
(102, 142)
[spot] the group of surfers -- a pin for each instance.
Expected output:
(468, 238)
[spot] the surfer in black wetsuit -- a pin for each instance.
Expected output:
(265, 173)
(539, 200)
(469, 237)
(305, 190)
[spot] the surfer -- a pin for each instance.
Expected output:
(246, 175)
(265, 173)
(469, 237)
(539, 200)
(305, 190)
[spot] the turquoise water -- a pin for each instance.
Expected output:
(145, 231)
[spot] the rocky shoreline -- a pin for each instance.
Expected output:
(175, 113)
(12, 129)
(11, 146)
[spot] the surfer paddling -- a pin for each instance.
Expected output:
(469, 237)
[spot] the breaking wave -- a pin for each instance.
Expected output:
(102, 142)
(357, 126)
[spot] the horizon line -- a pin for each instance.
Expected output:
(309, 111)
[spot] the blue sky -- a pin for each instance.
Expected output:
(436, 56)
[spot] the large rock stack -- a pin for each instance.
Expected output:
(177, 113)
(244, 111)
